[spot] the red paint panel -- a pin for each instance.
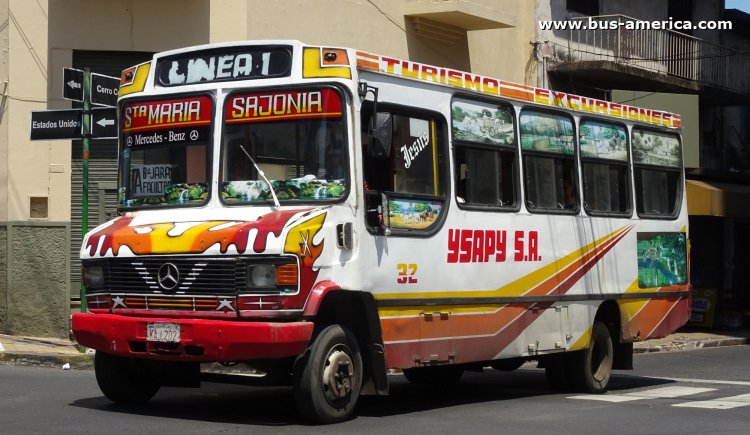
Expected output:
(276, 106)
(166, 114)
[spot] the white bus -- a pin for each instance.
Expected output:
(323, 215)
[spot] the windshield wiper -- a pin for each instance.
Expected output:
(270, 186)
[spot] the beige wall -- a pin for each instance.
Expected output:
(4, 102)
(354, 23)
(42, 34)
(507, 53)
(28, 162)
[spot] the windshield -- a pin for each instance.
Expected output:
(164, 152)
(296, 137)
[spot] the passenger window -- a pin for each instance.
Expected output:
(410, 174)
(548, 147)
(485, 159)
(604, 162)
(657, 164)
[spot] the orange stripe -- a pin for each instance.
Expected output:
(369, 55)
(364, 64)
(407, 328)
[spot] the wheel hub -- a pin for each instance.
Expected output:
(338, 375)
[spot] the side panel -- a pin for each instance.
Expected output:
(501, 284)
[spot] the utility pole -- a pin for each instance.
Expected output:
(86, 130)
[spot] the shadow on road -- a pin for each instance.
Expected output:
(274, 406)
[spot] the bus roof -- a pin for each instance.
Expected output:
(476, 83)
(303, 61)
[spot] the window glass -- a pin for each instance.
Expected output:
(165, 154)
(604, 160)
(484, 138)
(655, 148)
(481, 122)
(416, 156)
(541, 131)
(548, 147)
(411, 173)
(296, 137)
(657, 162)
(657, 191)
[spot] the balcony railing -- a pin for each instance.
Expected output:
(661, 51)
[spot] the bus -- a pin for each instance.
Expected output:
(322, 217)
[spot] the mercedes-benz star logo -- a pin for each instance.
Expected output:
(169, 276)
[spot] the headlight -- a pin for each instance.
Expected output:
(261, 275)
(93, 276)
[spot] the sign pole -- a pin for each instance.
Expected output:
(86, 130)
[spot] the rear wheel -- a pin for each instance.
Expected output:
(328, 378)
(440, 375)
(589, 370)
(125, 380)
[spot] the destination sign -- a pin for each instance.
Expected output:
(279, 106)
(167, 121)
(232, 63)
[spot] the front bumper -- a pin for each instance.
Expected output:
(201, 340)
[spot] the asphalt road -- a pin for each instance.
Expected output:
(699, 391)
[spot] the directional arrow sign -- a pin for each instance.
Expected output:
(56, 124)
(104, 90)
(104, 123)
(72, 84)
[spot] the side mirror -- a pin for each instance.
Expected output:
(378, 217)
(385, 222)
(381, 135)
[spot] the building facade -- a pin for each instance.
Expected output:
(40, 181)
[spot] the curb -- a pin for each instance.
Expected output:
(78, 362)
(681, 345)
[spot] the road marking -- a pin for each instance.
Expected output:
(656, 393)
(721, 403)
(699, 381)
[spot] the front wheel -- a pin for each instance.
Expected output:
(589, 370)
(125, 380)
(328, 378)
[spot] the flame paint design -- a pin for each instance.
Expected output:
(161, 239)
(299, 241)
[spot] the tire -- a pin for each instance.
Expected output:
(125, 380)
(589, 370)
(440, 375)
(328, 378)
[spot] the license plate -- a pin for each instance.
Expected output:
(163, 332)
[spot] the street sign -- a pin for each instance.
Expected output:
(56, 124)
(104, 90)
(104, 122)
(72, 84)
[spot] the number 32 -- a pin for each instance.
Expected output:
(406, 273)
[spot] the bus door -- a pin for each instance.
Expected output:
(404, 160)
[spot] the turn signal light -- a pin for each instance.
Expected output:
(286, 274)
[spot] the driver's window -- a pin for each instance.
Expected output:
(412, 173)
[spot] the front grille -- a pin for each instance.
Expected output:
(196, 275)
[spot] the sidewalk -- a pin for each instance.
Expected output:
(55, 352)
(37, 351)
